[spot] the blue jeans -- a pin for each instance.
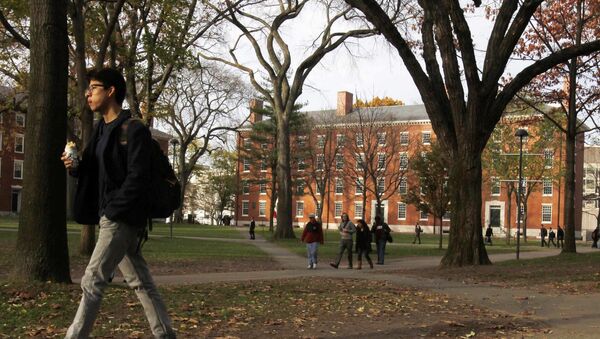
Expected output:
(117, 246)
(311, 249)
(381, 250)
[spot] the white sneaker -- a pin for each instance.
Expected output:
(314, 266)
(309, 267)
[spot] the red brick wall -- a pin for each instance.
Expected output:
(9, 130)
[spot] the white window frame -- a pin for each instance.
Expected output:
(379, 181)
(496, 183)
(428, 134)
(403, 186)
(321, 140)
(381, 158)
(544, 186)
(299, 209)
(403, 159)
(247, 143)
(340, 139)
(550, 207)
(448, 215)
(245, 187)
(360, 160)
(359, 188)
(338, 211)
(263, 165)
(320, 162)
(401, 206)
(358, 205)
(20, 115)
(247, 204)
(381, 136)
(300, 184)
(262, 208)
(548, 158)
(339, 161)
(262, 188)
(245, 165)
(302, 141)
(404, 138)
(301, 165)
(339, 183)
(522, 213)
(20, 163)
(360, 140)
(22, 138)
(421, 216)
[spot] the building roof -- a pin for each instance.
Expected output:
(158, 134)
(406, 113)
(591, 155)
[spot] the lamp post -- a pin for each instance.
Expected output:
(521, 133)
(174, 142)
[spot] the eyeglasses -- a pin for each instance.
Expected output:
(91, 88)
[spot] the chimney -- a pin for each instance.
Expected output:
(344, 103)
(255, 104)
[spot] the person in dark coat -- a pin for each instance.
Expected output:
(595, 237)
(560, 237)
(418, 231)
(381, 230)
(113, 179)
(551, 237)
(252, 227)
(488, 235)
(543, 234)
(363, 242)
(312, 235)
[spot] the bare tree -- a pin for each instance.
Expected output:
(263, 26)
(200, 106)
(464, 102)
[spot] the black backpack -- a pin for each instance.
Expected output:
(165, 190)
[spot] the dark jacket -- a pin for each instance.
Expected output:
(127, 166)
(363, 238)
(313, 232)
(381, 231)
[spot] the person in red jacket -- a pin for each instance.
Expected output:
(312, 236)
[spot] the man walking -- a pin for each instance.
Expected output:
(418, 231)
(252, 227)
(488, 234)
(551, 237)
(113, 179)
(543, 234)
(312, 235)
(381, 231)
(346, 229)
(560, 236)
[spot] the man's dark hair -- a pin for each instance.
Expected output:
(110, 77)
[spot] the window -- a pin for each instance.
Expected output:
(262, 188)
(300, 187)
(321, 141)
(18, 169)
(302, 141)
(522, 213)
(447, 215)
(338, 209)
(424, 215)
(381, 161)
(246, 165)
(262, 208)
(360, 161)
(340, 140)
(359, 186)
(247, 143)
(263, 165)
(20, 118)
(320, 185)
(339, 186)
(403, 187)
(380, 185)
(381, 138)
(301, 165)
(339, 161)
(245, 207)
(401, 211)
(264, 145)
(403, 160)
(495, 186)
(358, 206)
(360, 141)
(546, 213)
(426, 138)
(245, 187)
(547, 187)
(19, 143)
(320, 162)
(404, 138)
(299, 209)
(548, 158)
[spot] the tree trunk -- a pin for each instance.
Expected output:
(273, 196)
(441, 232)
(569, 203)
(42, 251)
(284, 228)
(465, 244)
(509, 211)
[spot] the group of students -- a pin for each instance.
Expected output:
(559, 236)
(380, 232)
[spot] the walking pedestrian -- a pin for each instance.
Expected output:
(418, 231)
(312, 235)
(381, 231)
(252, 227)
(543, 234)
(595, 237)
(560, 236)
(113, 180)
(551, 238)
(363, 243)
(346, 229)
(488, 234)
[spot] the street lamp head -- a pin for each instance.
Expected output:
(174, 142)
(521, 133)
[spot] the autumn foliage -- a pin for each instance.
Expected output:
(377, 102)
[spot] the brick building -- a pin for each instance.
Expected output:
(409, 128)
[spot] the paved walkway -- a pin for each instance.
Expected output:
(568, 316)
